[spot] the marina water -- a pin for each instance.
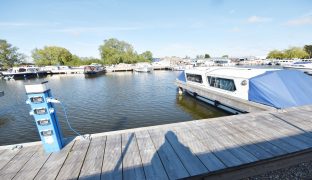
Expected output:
(96, 104)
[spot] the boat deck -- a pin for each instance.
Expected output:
(234, 146)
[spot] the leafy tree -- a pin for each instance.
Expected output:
(225, 56)
(276, 54)
(147, 56)
(9, 55)
(295, 52)
(308, 49)
(200, 57)
(207, 56)
(114, 51)
(51, 55)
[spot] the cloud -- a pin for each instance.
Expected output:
(258, 19)
(305, 20)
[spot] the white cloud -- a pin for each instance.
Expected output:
(305, 20)
(258, 19)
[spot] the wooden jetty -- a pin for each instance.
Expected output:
(221, 148)
(230, 101)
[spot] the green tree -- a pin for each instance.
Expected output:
(308, 49)
(9, 55)
(276, 54)
(207, 56)
(147, 56)
(225, 56)
(114, 51)
(295, 52)
(52, 55)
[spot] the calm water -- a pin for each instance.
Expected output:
(105, 103)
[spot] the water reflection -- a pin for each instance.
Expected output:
(198, 109)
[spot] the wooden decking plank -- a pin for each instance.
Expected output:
(269, 133)
(17, 162)
(227, 143)
(285, 137)
(132, 164)
(169, 158)
(73, 163)
(245, 131)
(6, 156)
(31, 168)
(215, 147)
(302, 122)
(152, 164)
(112, 164)
(238, 140)
(92, 166)
(209, 159)
(291, 130)
(191, 162)
(54, 163)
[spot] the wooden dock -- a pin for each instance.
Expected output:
(228, 147)
(241, 105)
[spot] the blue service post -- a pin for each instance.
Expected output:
(45, 117)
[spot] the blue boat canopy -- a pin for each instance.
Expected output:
(181, 77)
(281, 88)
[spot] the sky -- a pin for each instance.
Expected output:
(165, 27)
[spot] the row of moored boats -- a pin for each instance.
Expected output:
(32, 71)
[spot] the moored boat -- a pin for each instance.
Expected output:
(23, 73)
(94, 69)
(302, 66)
(270, 87)
(143, 67)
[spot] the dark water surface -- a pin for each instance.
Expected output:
(98, 104)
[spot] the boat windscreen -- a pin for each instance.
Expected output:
(181, 77)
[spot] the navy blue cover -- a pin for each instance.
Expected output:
(281, 88)
(181, 77)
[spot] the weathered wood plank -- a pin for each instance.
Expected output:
(73, 163)
(215, 147)
(190, 161)
(211, 162)
(32, 167)
(245, 141)
(92, 166)
(132, 163)
(170, 160)
(112, 164)
(54, 163)
(6, 156)
(254, 126)
(17, 162)
(152, 164)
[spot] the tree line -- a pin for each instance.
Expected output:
(291, 53)
(112, 51)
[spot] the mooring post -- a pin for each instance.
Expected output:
(45, 116)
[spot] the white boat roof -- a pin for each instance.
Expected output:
(232, 72)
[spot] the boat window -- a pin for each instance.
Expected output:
(222, 83)
(21, 70)
(194, 78)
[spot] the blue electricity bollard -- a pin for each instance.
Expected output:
(42, 109)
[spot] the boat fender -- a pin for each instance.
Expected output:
(195, 94)
(216, 103)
